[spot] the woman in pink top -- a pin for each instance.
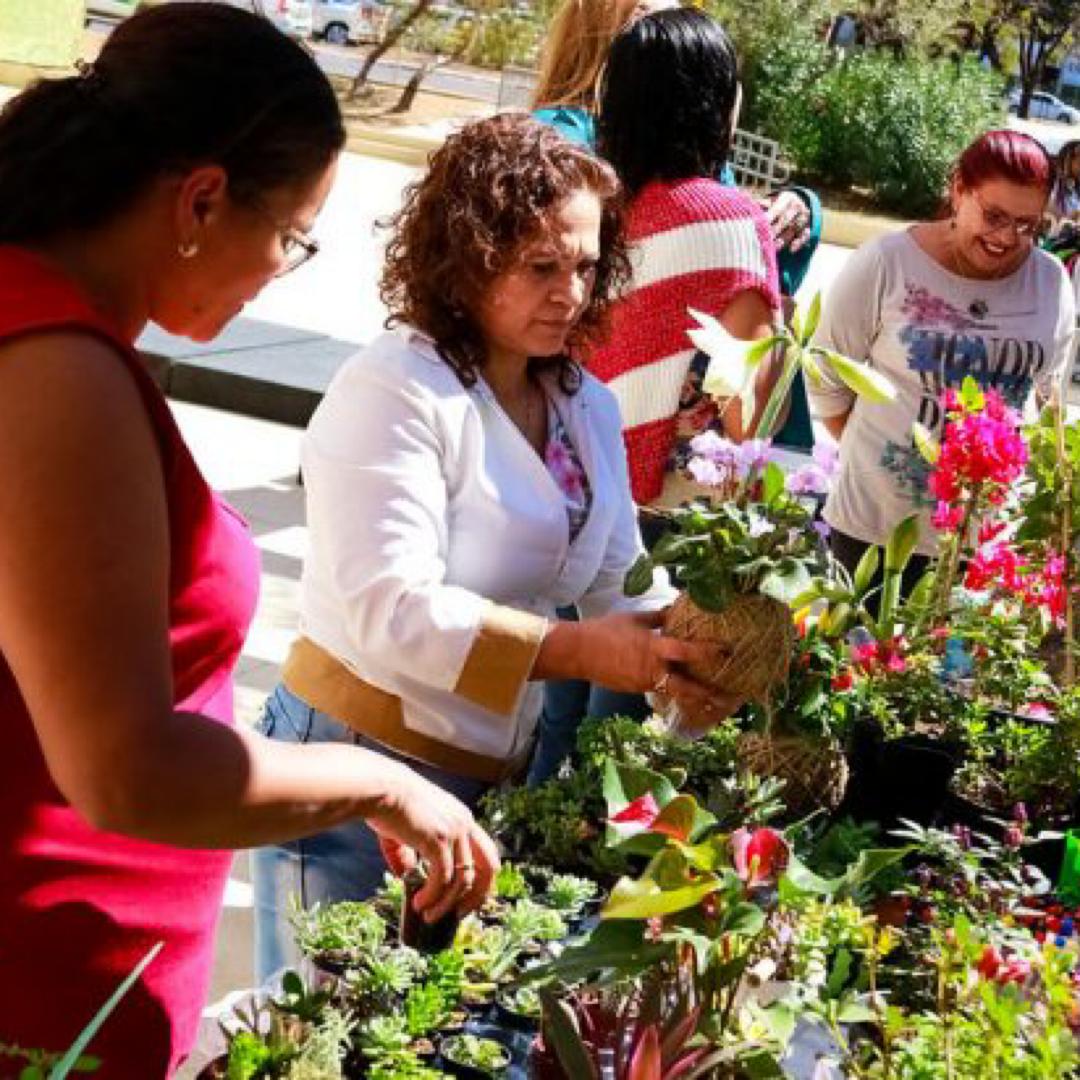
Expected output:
(170, 181)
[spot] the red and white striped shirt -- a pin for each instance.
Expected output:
(695, 244)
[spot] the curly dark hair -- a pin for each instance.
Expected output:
(487, 192)
(667, 99)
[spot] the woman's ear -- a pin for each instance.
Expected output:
(201, 198)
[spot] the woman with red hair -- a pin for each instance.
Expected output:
(968, 294)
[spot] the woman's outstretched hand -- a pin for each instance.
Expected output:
(417, 820)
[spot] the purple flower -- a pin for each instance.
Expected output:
(707, 472)
(808, 480)
(827, 458)
(822, 529)
(715, 448)
(753, 454)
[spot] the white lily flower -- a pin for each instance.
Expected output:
(729, 372)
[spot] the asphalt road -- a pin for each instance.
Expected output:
(345, 62)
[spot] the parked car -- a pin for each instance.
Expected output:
(1045, 106)
(347, 22)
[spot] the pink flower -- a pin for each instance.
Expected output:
(642, 811)
(982, 455)
(1015, 971)
(865, 655)
(759, 856)
(895, 663)
(564, 469)
(1037, 710)
(947, 518)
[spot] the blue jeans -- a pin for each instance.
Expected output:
(567, 702)
(344, 863)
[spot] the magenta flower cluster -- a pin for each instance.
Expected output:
(982, 455)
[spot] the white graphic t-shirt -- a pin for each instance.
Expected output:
(927, 329)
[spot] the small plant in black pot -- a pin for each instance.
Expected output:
(336, 936)
(475, 1058)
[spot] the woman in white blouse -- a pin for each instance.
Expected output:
(464, 479)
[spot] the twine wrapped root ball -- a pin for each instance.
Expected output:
(755, 632)
(814, 771)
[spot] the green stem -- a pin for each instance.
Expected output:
(778, 395)
(1066, 539)
(944, 584)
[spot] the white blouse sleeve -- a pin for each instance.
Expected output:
(377, 504)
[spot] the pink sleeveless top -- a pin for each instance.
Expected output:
(79, 907)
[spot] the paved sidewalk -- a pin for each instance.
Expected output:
(254, 464)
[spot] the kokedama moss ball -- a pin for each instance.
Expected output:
(815, 771)
(757, 634)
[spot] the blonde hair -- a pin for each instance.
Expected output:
(576, 50)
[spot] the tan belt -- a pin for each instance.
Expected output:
(328, 685)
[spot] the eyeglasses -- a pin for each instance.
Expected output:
(297, 247)
(998, 221)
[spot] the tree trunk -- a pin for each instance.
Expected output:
(393, 36)
(412, 87)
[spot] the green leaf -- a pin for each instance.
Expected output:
(862, 379)
(786, 585)
(865, 571)
(758, 350)
(617, 949)
(856, 1012)
(812, 369)
(683, 819)
(772, 482)
(70, 1060)
(645, 899)
(925, 443)
(639, 577)
(743, 918)
(813, 319)
(561, 1030)
(901, 544)
(625, 783)
(971, 396)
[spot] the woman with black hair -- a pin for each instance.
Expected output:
(169, 181)
(668, 107)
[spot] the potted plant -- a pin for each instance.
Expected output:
(518, 1008)
(473, 1057)
(743, 556)
(569, 894)
(335, 936)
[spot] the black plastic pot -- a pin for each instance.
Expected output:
(469, 1072)
(506, 1016)
(899, 778)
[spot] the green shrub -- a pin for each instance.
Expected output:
(893, 126)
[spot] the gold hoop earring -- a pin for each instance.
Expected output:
(188, 249)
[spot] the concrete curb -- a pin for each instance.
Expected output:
(840, 227)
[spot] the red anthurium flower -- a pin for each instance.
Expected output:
(642, 811)
(843, 680)
(990, 963)
(759, 856)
